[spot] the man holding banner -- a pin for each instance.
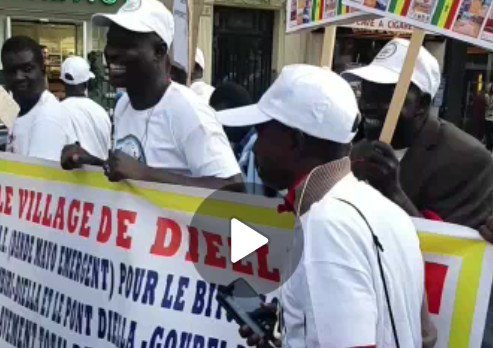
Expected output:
(346, 290)
(433, 168)
(163, 132)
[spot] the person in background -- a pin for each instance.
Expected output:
(42, 127)
(163, 131)
(488, 129)
(355, 295)
(91, 122)
(95, 87)
(432, 168)
(46, 60)
(198, 85)
(231, 95)
(477, 123)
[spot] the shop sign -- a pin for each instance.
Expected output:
(466, 20)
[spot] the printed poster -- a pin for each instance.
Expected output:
(311, 14)
(466, 20)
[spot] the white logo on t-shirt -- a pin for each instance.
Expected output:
(132, 146)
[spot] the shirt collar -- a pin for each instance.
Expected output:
(289, 200)
(315, 185)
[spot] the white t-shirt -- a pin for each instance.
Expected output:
(91, 123)
(180, 133)
(203, 90)
(335, 298)
(43, 131)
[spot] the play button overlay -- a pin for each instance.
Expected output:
(238, 235)
(244, 240)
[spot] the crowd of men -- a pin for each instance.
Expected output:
(353, 200)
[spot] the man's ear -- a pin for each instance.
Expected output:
(424, 104)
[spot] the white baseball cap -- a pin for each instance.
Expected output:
(314, 100)
(387, 66)
(141, 16)
(199, 58)
(75, 70)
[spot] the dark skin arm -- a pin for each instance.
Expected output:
(121, 166)
(74, 156)
(486, 230)
(379, 166)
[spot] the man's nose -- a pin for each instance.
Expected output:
(19, 75)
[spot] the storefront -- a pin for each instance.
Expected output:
(62, 26)
(478, 77)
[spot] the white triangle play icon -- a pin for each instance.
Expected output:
(244, 240)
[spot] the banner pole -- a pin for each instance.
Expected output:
(196, 8)
(190, 12)
(328, 46)
(402, 86)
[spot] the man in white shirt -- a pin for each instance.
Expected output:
(91, 122)
(198, 85)
(42, 128)
(360, 281)
(163, 132)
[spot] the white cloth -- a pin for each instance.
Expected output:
(180, 133)
(203, 90)
(247, 164)
(43, 131)
(335, 297)
(91, 124)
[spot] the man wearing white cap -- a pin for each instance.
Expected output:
(433, 168)
(91, 122)
(360, 281)
(202, 89)
(163, 132)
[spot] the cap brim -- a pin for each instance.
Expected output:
(244, 116)
(374, 73)
(128, 22)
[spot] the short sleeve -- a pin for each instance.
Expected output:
(203, 142)
(209, 153)
(341, 299)
(48, 137)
